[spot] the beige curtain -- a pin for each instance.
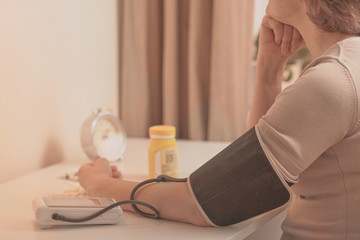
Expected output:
(186, 63)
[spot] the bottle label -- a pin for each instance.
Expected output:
(166, 162)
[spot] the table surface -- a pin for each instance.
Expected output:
(17, 219)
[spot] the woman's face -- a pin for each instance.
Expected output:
(286, 11)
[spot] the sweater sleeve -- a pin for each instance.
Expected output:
(307, 118)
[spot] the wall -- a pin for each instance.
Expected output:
(260, 8)
(58, 62)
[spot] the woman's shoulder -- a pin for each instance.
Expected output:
(339, 63)
(330, 80)
(327, 75)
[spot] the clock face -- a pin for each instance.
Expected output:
(103, 130)
(108, 138)
(103, 135)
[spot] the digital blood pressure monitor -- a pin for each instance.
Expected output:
(74, 207)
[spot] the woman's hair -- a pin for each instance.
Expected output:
(335, 15)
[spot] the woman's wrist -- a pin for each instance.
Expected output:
(99, 186)
(269, 71)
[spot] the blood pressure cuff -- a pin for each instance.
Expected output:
(239, 183)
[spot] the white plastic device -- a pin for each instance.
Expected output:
(74, 207)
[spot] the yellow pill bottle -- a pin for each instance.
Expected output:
(162, 151)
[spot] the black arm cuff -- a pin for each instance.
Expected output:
(238, 183)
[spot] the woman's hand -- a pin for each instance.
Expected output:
(278, 41)
(93, 175)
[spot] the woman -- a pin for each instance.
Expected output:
(309, 132)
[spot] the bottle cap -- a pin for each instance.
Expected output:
(162, 131)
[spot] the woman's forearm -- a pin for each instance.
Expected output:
(172, 200)
(268, 81)
(277, 42)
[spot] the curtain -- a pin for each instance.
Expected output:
(186, 63)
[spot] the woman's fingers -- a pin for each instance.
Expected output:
(297, 41)
(115, 172)
(275, 26)
(102, 163)
(91, 170)
(84, 167)
(287, 39)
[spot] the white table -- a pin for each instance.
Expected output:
(17, 219)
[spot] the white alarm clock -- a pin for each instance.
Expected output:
(103, 135)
